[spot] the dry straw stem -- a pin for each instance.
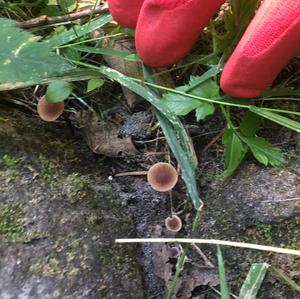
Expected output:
(211, 241)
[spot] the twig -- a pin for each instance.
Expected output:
(203, 256)
(45, 20)
(282, 200)
(213, 141)
(131, 173)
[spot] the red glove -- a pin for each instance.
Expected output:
(270, 41)
(167, 29)
(125, 12)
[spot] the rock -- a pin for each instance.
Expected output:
(136, 125)
(59, 217)
(258, 205)
(258, 194)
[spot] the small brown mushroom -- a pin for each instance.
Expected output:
(173, 223)
(49, 111)
(174, 252)
(162, 177)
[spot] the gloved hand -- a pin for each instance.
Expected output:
(125, 12)
(167, 29)
(270, 41)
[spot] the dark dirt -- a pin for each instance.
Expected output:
(62, 213)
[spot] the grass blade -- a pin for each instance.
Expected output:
(222, 275)
(286, 279)
(188, 175)
(104, 51)
(78, 31)
(277, 118)
(253, 281)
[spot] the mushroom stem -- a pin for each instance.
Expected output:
(129, 173)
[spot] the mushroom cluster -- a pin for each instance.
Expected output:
(163, 177)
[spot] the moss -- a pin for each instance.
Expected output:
(76, 187)
(284, 234)
(48, 171)
(11, 217)
(3, 119)
(9, 167)
(66, 259)
(8, 162)
(262, 233)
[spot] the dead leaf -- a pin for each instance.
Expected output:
(192, 278)
(102, 136)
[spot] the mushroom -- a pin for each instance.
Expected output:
(174, 252)
(162, 177)
(49, 111)
(173, 223)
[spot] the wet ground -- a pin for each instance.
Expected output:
(62, 207)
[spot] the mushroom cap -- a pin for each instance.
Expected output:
(49, 111)
(162, 177)
(173, 223)
(174, 252)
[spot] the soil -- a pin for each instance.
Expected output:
(63, 206)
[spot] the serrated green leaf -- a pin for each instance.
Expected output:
(67, 5)
(23, 58)
(204, 110)
(250, 124)
(94, 84)
(264, 151)
(253, 281)
(202, 86)
(235, 151)
(58, 91)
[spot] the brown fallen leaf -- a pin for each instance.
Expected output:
(102, 136)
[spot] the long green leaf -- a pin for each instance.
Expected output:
(104, 51)
(222, 274)
(277, 118)
(253, 281)
(75, 75)
(286, 279)
(187, 171)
